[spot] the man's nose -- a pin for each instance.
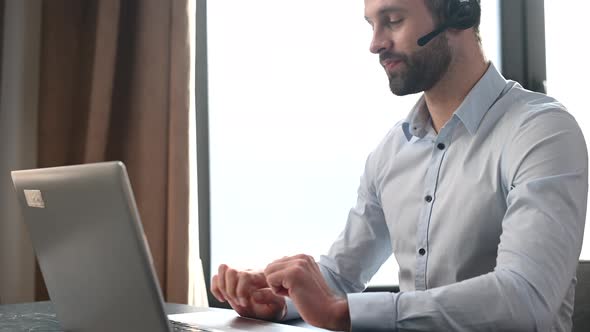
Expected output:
(380, 42)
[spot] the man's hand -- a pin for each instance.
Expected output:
(300, 279)
(248, 293)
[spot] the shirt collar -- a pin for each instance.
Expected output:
(471, 111)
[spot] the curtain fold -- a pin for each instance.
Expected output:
(101, 81)
(178, 173)
(114, 86)
(19, 62)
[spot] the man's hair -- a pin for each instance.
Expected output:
(438, 9)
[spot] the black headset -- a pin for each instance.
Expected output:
(461, 15)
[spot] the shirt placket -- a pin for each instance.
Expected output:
(440, 146)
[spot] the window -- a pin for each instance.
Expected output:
(567, 70)
(296, 103)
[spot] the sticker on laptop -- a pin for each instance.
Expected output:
(34, 198)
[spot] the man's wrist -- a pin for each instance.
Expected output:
(341, 315)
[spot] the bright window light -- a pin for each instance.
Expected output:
(296, 103)
(567, 69)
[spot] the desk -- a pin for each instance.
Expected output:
(40, 316)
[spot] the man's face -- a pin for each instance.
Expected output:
(397, 26)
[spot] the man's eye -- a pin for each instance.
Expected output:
(395, 22)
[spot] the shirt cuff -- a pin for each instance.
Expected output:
(373, 311)
(292, 312)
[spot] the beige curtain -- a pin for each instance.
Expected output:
(114, 86)
(18, 141)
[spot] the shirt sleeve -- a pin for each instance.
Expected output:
(364, 244)
(546, 167)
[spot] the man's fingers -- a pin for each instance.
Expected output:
(266, 296)
(242, 311)
(215, 289)
(301, 261)
(258, 279)
(280, 280)
(283, 274)
(231, 282)
(235, 286)
(296, 266)
(246, 284)
(221, 279)
(269, 305)
(277, 266)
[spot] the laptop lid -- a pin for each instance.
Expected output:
(88, 238)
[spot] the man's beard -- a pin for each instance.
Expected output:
(424, 68)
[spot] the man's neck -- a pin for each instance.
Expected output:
(446, 96)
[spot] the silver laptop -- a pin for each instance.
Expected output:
(87, 235)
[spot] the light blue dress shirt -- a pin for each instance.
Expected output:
(485, 218)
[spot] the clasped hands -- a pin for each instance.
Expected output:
(261, 294)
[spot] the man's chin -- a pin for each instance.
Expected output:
(400, 93)
(397, 87)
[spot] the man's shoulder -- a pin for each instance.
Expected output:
(524, 105)
(389, 145)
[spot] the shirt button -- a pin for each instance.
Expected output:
(428, 198)
(422, 251)
(441, 146)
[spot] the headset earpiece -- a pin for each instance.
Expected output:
(461, 15)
